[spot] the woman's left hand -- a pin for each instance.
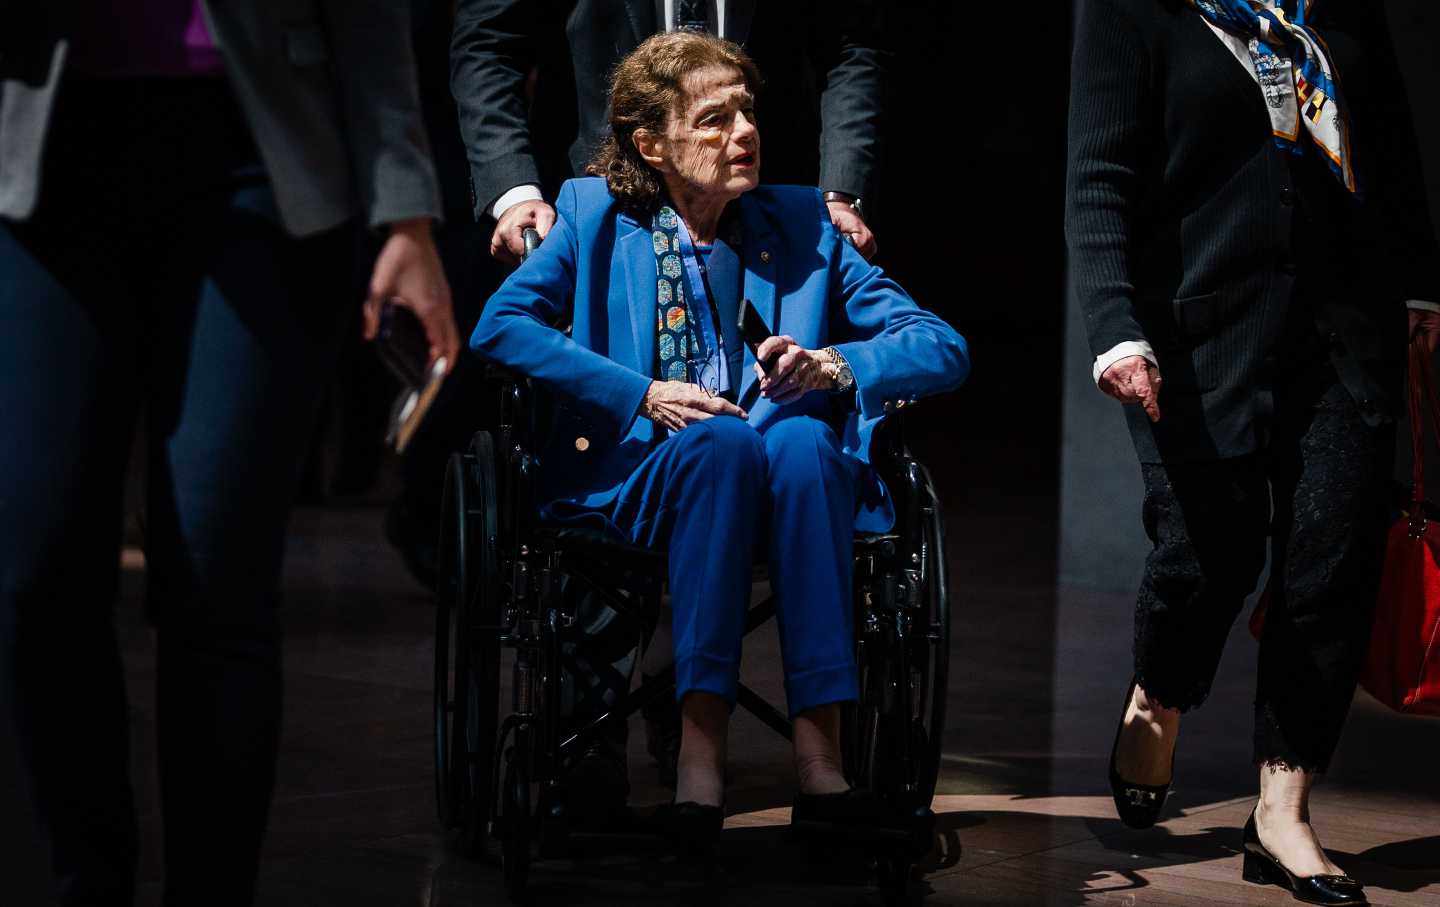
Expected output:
(796, 371)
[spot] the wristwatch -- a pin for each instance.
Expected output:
(844, 378)
(846, 198)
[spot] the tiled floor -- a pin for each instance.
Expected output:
(1024, 817)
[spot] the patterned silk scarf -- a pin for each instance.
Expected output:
(1295, 73)
(688, 345)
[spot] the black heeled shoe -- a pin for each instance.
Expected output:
(1262, 868)
(1139, 805)
(695, 827)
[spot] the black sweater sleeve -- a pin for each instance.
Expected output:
(1108, 103)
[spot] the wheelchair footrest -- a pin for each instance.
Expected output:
(915, 830)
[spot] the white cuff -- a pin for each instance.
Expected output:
(525, 192)
(1422, 305)
(1122, 351)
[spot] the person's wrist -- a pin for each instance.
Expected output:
(413, 226)
(833, 196)
(841, 377)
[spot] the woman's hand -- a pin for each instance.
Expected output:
(408, 273)
(1134, 380)
(1425, 324)
(676, 404)
(796, 371)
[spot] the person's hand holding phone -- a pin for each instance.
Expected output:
(794, 370)
(408, 273)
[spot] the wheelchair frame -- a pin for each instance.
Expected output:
(500, 573)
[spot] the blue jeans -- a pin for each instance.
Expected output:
(154, 278)
(716, 494)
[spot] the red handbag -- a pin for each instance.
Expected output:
(1402, 668)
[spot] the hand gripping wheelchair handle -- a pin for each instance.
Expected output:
(531, 238)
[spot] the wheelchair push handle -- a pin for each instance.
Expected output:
(531, 238)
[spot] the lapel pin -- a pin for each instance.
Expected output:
(582, 444)
(765, 256)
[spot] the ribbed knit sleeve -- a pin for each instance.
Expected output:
(1108, 98)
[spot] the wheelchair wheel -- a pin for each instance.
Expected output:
(467, 647)
(934, 642)
(515, 827)
(894, 735)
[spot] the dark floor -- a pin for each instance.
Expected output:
(1037, 674)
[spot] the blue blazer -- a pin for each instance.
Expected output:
(596, 272)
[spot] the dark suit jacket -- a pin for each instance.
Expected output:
(328, 88)
(1188, 227)
(818, 116)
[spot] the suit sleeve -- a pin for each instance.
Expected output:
(852, 60)
(516, 330)
(385, 129)
(897, 351)
(1108, 99)
(492, 51)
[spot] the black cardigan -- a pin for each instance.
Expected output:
(1188, 227)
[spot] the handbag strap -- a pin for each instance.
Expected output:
(1423, 401)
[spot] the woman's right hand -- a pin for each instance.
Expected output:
(676, 404)
(1134, 380)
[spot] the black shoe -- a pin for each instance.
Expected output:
(1139, 805)
(693, 827)
(596, 784)
(1263, 869)
(849, 807)
(662, 737)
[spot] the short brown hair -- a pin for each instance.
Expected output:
(644, 90)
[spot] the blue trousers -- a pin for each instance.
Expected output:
(717, 495)
(154, 279)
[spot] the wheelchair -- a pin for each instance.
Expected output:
(498, 765)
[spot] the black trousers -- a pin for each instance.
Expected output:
(154, 278)
(1319, 493)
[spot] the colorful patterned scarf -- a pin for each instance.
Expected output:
(1295, 73)
(689, 345)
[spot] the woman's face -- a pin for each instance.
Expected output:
(711, 145)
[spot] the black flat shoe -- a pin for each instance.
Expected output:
(1139, 805)
(848, 807)
(695, 827)
(1263, 869)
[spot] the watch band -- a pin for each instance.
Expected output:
(844, 377)
(846, 198)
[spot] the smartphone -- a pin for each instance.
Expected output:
(754, 332)
(405, 351)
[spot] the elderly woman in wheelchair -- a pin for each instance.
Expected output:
(674, 437)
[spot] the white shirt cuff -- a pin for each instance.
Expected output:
(1122, 351)
(1423, 305)
(525, 192)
